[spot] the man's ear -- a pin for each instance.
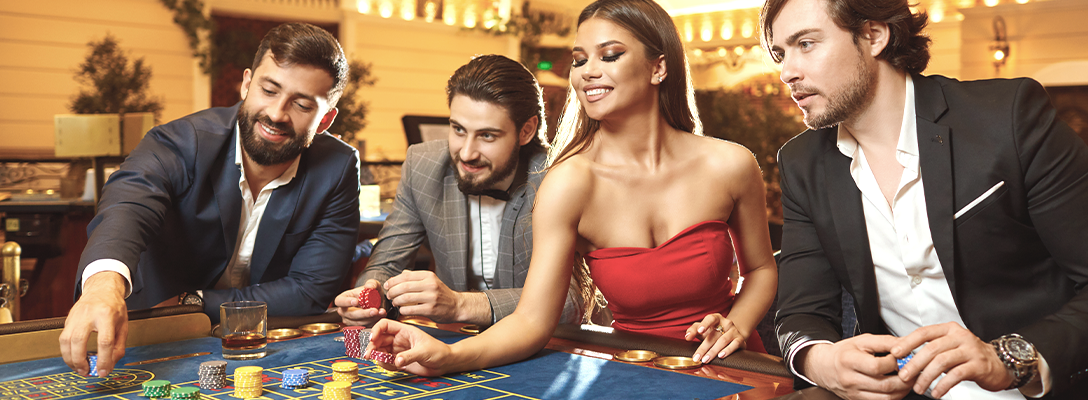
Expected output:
(875, 35)
(326, 120)
(247, 76)
(660, 70)
(528, 130)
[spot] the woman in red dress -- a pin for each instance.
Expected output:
(655, 210)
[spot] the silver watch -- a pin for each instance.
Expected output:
(1020, 358)
(190, 298)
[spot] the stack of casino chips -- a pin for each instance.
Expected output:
(356, 338)
(295, 378)
(345, 371)
(381, 356)
(157, 389)
(248, 382)
(92, 361)
(185, 393)
(336, 391)
(213, 375)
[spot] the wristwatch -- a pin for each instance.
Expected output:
(1020, 358)
(190, 298)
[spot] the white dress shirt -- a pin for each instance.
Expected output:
(485, 228)
(237, 272)
(910, 281)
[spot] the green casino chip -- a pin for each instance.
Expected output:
(157, 388)
(185, 393)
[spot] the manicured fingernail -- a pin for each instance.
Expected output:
(706, 358)
(696, 357)
(701, 329)
(722, 354)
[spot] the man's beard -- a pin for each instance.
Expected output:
(262, 151)
(845, 103)
(498, 174)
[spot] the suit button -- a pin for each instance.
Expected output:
(915, 280)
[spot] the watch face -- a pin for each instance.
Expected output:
(1020, 349)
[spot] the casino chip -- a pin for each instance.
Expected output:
(92, 361)
(185, 393)
(369, 298)
(902, 362)
(295, 378)
(382, 356)
(248, 382)
(356, 339)
(157, 389)
(345, 371)
(213, 375)
(337, 391)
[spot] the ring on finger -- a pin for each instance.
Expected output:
(720, 329)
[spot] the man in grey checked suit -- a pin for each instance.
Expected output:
(471, 197)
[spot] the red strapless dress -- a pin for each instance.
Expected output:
(661, 291)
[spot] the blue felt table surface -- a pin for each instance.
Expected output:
(547, 375)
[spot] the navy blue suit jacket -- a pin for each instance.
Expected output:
(171, 214)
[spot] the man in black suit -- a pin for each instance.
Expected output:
(252, 202)
(953, 212)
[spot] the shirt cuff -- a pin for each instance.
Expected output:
(107, 264)
(793, 352)
(1041, 386)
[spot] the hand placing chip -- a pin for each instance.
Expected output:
(401, 347)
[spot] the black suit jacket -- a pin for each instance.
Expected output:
(1015, 262)
(171, 214)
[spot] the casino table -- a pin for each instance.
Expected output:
(577, 364)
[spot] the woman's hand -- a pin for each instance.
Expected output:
(720, 337)
(414, 350)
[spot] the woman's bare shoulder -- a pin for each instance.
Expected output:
(726, 156)
(571, 178)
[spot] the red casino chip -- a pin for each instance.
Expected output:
(369, 298)
(381, 356)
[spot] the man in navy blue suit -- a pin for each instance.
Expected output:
(253, 202)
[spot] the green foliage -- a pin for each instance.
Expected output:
(115, 86)
(189, 15)
(351, 114)
(758, 118)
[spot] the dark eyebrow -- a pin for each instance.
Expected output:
(797, 35)
(268, 80)
(599, 46)
(487, 129)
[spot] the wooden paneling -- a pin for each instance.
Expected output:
(44, 43)
(412, 61)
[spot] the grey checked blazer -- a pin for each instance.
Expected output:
(429, 205)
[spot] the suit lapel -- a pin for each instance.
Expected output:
(935, 161)
(456, 228)
(849, 217)
(227, 195)
(277, 215)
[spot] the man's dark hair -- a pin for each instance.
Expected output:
(297, 43)
(504, 82)
(907, 49)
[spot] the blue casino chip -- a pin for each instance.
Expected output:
(295, 378)
(903, 361)
(92, 359)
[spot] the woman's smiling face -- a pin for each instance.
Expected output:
(611, 72)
